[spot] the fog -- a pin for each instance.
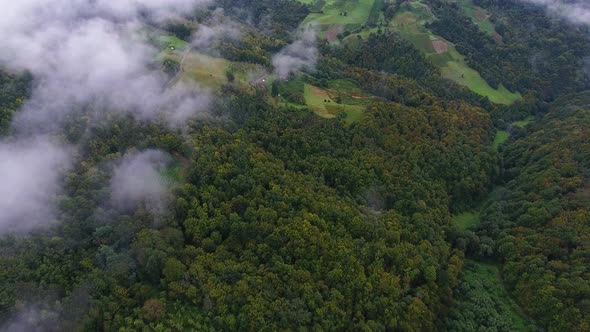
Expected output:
(31, 319)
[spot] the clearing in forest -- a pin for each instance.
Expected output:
(333, 17)
(458, 71)
(333, 32)
(341, 12)
(176, 172)
(481, 18)
(523, 123)
(501, 137)
(205, 69)
(320, 102)
(466, 220)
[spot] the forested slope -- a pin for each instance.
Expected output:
(283, 221)
(539, 221)
(321, 199)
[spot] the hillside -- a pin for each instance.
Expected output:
(262, 165)
(538, 222)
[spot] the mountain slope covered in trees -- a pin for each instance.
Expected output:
(295, 165)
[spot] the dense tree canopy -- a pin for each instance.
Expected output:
(539, 220)
(275, 218)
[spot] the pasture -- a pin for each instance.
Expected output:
(356, 12)
(210, 71)
(458, 71)
(321, 103)
(207, 70)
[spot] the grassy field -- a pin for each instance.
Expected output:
(357, 13)
(501, 137)
(207, 70)
(479, 17)
(317, 99)
(458, 71)
(320, 102)
(524, 123)
(170, 46)
(348, 92)
(467, 220)
(364, 34)
(174, 173)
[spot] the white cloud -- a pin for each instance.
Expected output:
(30, 172)
(301, 54)
(137, 179)
(577, 12)
(217, 28)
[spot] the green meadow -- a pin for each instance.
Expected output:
(478, 16)
(357, 12)
(457, 70)
(320, 102)
(169, 46)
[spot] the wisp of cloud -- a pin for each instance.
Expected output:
(218, 27)
(577, 12)
(30, 175)
(137, 179)
(301, 54)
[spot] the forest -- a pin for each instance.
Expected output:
(262, 165)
